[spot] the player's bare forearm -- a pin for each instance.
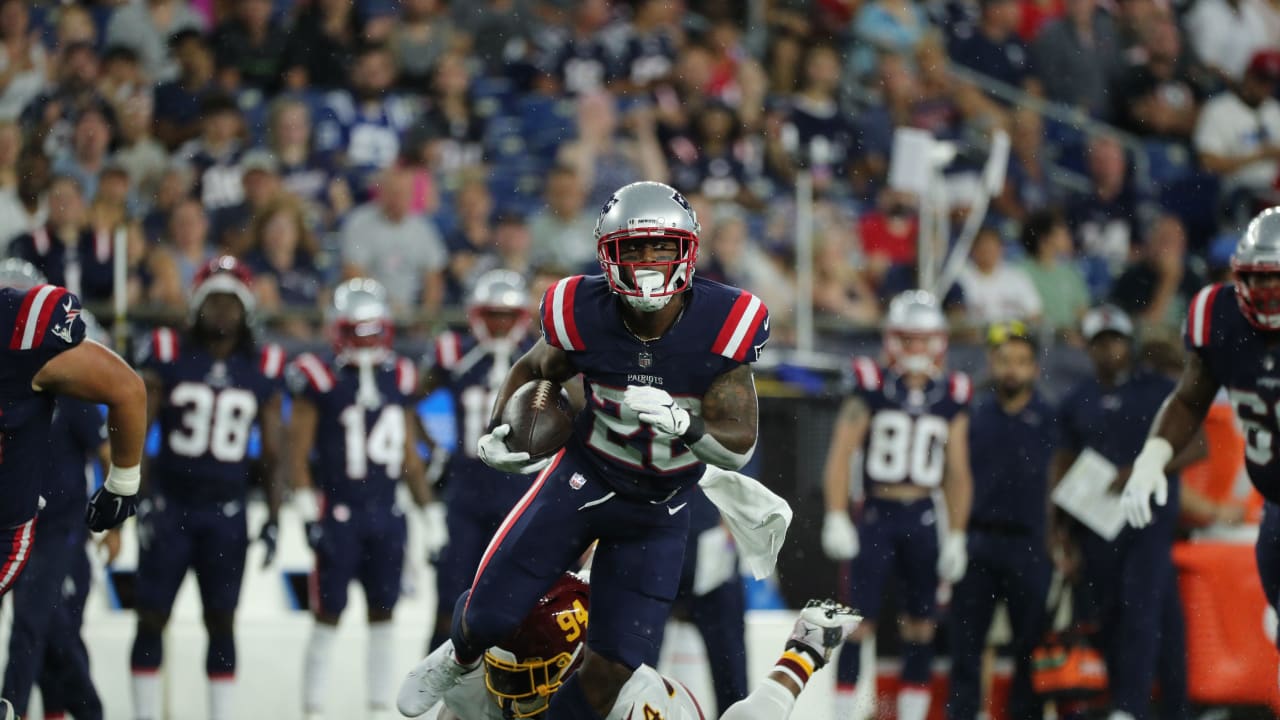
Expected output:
(302, 437)
(957, 481)
(730, 412)
(1184, 411)
(433, 378)
(415, 473)
(272, 422)
(542, 362)
(92, 372)
(850, 430)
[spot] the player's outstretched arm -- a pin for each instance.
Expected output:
(957, 482)
(839, 537)
(542, 362)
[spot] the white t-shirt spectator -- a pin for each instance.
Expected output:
(1230, 128)
(1227, 39)
(1005, 293)
(398, 255)
(24, 86)
(15, 220)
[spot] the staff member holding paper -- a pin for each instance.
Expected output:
(1123, 580)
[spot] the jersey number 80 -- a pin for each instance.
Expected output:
(902, 448)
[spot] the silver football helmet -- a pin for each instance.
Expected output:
(19, 274)
(640, 211)
(360, 321)
(498, 308)
(915, 334)
(1256, 265)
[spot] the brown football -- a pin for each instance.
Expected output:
(540, 419)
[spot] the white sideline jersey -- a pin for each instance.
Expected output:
(646, 696)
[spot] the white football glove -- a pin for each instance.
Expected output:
(436, 532)
(839, 536)
(657, 409)
(493, 450)
(1147, 481)
(953, 557)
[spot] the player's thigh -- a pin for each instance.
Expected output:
(37, 594)
(1267, 552)
(916, 560)
(634, 579)
(337, 561)
(382, 563)
(164, 553)
(218, 555)
(540, 538)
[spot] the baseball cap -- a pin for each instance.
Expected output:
(1265, 64)
(1106, 318)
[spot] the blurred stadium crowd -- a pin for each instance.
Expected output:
(453, 138)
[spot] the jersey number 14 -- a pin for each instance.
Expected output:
(382, 444)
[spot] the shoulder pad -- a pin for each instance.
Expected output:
(163, 347)
(559, 322)
(866, 374)
(745, 330)
(273, 361)
(448, 350)
(49, 317)
(960, 387)
(307, 370)
(406, 376)
(1200, 316)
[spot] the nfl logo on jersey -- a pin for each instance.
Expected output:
(645, 359)
(577, 481)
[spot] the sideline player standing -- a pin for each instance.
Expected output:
(666, 361)
(477, 497)
(911, 422)
(1232, 332)
(355, 411)
(206, 389)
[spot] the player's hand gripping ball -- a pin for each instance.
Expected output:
(657, 409)
(535, 424)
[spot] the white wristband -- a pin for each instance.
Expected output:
(124, 480)
(1156, 451)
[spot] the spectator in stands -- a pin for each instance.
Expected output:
(885, 26)
(146, 27)
(1036, 14)
(260, 178)
(578, 59)
(188, 241)
(85, 159)
(282, 254)
(1027, 187)
(512, 249)
(606, 159)
(1238, 133)
(152, 273)
(994, 290)
(248, 48)
(839, 289)
(470, 239)
(48, 119)
(1158, 288)
(310, 175)
(215, 154)
(403, 251)
(122, 80)
(23, 207)
(64, 249)
(424, 34)
(816, 135)
(732, 257)
(451, 130)
(736, 77)
(710, 159)
(652, 38)
(175, 186)
(321, 46)
(364, 125)
(138, 151)
(994, 49)
(562, 231)
(889, 230)
(1077, 57)
(946, 106)
(1105, 219)
(23, 62)
(501, 33)
(1161, 95)
(178, 101)
(1226, 34)
(1051, 267)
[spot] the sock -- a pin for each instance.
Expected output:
(146, 693)
(222, 697)
(220, 657)
(849, 664)
(147, 652)
(315, 667)
(381, 674)
(570, 703)
(913, 702)
(845, 701)
(917, 664)
(769, 700)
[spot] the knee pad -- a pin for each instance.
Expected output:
(917, 663)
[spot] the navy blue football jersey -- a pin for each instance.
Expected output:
(41, 323)
(78, 431)
(359, 446)
(368, 135)
(207, 415)
(720, 328)
(217, 176)
(648, 56)
(818, 136)
(473, 381)
(1246, 362)
(581, 65)
(907, 438)
(85, 268)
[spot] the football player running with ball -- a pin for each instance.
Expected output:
(665, 358)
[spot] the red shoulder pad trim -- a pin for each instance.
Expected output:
(740, 327)
(868, 373)
(1200, 319)
(406, 376)
(558, 320)
(272, 361)
(319, 376)
(448, 349)
(33, 316)
(961, 388)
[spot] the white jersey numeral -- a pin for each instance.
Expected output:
(613, 418)
(214, 422)
(1255, 417)
(901, 448)
(382, 445)
(477, 405)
